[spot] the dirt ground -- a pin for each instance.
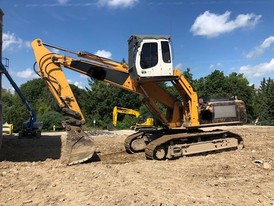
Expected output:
(31, 174)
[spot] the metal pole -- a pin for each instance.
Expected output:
(1, 109)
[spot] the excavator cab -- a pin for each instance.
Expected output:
(149, 56)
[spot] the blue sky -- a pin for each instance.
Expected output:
(232, 36)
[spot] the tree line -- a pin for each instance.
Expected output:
(97, 101)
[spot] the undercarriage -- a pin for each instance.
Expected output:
(160, 145)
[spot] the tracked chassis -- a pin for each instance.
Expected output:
(160, 145)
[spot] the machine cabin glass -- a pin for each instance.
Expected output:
(149, 55)
(165, 52)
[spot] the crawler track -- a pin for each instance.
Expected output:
(129, 142)
(176, 145)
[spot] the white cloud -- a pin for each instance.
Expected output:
(62, 2)
(77, 83)
(11, 42)
(100, 3)
(27, 44)
(117, 3)
(215, 66)
(103, 53)
(258, 70)
(26, 74)
(11, 90)
(212, 25)
(258, 50)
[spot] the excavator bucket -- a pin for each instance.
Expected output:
(77, 146)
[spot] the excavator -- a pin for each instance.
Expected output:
(142, 122)
(149, 69)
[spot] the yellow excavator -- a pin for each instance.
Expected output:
(149, 68)
(142, 122)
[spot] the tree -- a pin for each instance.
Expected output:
(16, 114)
(127, 122)
(50, 119)
(264, 105)
(212, 85)
(188, 76)
(36, 94)
(39, 96)
(238, 86)
(103, 97)
(7, 99)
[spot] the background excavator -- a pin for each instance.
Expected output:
(141, 122)
(149, 67)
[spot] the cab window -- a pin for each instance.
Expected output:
(165, 51)
(149, 55)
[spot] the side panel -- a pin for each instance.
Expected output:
(223, 112)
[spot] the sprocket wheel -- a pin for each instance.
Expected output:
(160, 152)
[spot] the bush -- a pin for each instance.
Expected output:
(266, 123)
(127, 122)
(51, 118)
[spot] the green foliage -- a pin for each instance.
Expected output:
(13, 110)
(188, 75)
(264, 104)
(7, 97)
(144, 111)
(16, 115)
(39, 96)
(213, 85)
(50, 119)
(127, 122)
(238, 86)
(103, 97)
(7, 107)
